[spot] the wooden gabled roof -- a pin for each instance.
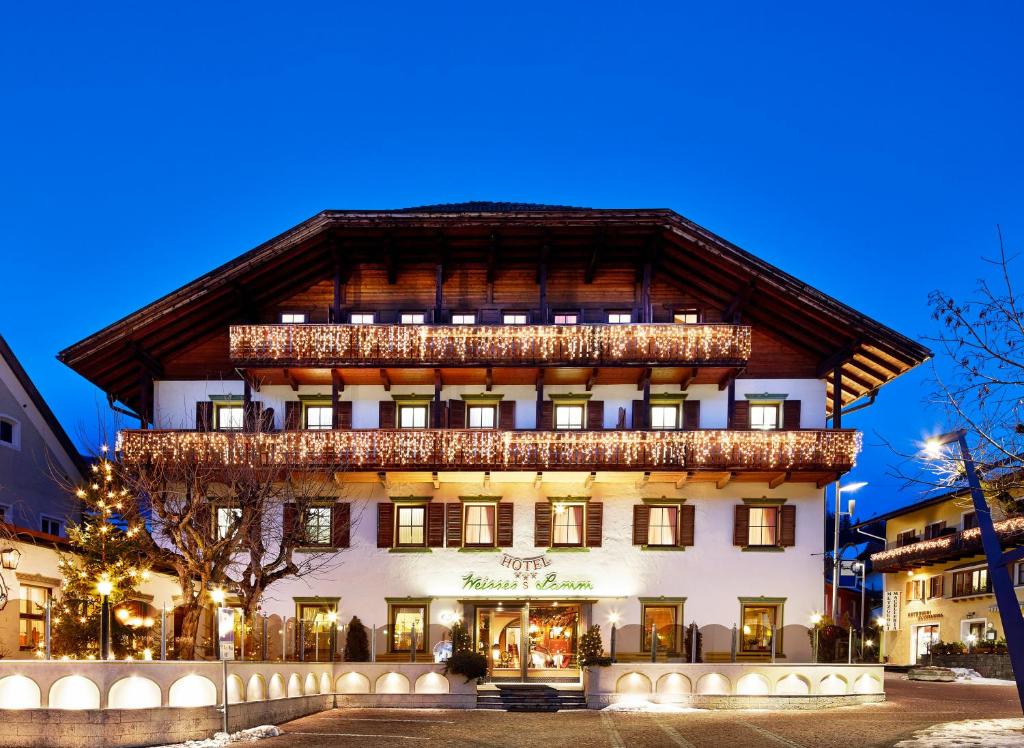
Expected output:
(868, 353)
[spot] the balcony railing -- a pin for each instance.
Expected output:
(490, 345)
(380, 449)
(946, 547)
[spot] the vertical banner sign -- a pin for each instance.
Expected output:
(892, 610)
(226, 633)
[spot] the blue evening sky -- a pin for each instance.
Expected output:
(868, 149)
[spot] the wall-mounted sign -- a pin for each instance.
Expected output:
(891, 610)
(226, 633)
(527, 573)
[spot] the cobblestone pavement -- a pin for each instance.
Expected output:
(910, 707)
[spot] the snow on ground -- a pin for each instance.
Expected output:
(648, 706)
(967, 675)
(972, 733)
(222, 738)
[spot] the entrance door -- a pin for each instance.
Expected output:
(499, 637)
(924, 637)
(553, 633)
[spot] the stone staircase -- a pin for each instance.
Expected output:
(530, 697)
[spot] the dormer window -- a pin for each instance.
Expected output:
(514, 318)
(463, 319)
(620, 318)
(412, 318)
(293, 318)
(565, 318)
(686, 316)
(361, 318)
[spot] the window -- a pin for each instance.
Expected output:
(765, 416)
(412, 318)
(9, 432)
(567, 525)
(482, 416)
(970, 520)
(317, 525)
(479, 525)
(229, 417)
(408, 623)
(972, 582)
(463, 319)
(973, 631)
(565, 319)
(686, 316)
(227, 518)
(411, 522)
(906, 537)
(663, 526)
(764, 522)
(933, 530)
(32, 616)
(412, 416)
(318, 417)
(361, 318)
(50, 526)
(316, 621)
(1020, 573)
(293, 318)
(569, 417)
(664, 621)
(620, 318)
(759, 624)
(935, 586)
(916, 589)
(514, 318)
(5, 513)
(665, 417)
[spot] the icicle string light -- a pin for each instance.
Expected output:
(488, 344)
(502, 450)
(947, 546)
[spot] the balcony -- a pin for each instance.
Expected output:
(946, 548)
(585, 345)
(819, 454)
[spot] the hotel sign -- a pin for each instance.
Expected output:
(527, 573)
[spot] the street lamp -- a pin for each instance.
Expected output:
(848, 488)
(104, 587)
(999, 563)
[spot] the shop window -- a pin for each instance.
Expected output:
(482, 416)
(316, 525)
(227, 518)
(405, 620)
(10, 432)
(969, 520)
(686, 316)
(764, 526)
(229, 416)
(663, 526)
(663, 621)
(765, 416)
(411, 524)
(973, 631)
(362, 318)
(971, 582)
(413, 416)
(293, 318)
(478, 525)
(569, 417)
(565, 319)
(665, 417)
(412, 318)
(567, 525)
(620, 318)
(759, 624)
(514, 318)
(317, 416)
(32, 616)
(50, 525)
(315, 618)
(463, 319)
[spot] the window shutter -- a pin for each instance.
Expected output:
(641, 523)
(741, 526)
(435, 525)
(386, 413)
(940, 585)
(691, 415)
(595, 524)
(547, 416)
(595, 415)
(910, 591)
(507, 416)
(489, 316)
(204, 415)
(290, 524)
(252, 415)
(341, 520)
(343, 415)
(740, 415)
(542, 524)
(686, 517)
(292, 415)
(787, 525)
(505, 515)
(639, 416)
(385, 524)
(456, 414)
(453, 536)
(791, 414)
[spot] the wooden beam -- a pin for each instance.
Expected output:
(387, 380)
(382, 476)
(337, 380)
(644, 383)
(837, 359)
(723, 482)
(435, 480)
(148, 362)
(540, 396)
(837, 397)
(336, 387)
(829, 479)
(729, 378)
(338, 286)
(537, 479)
(682, 480)
(542, 282)
(487, 479)
(437, 419)
(293, 383)
(489, 378)
(687, 380)
(591, 379)
(644, 479)
(590, 479)
(251, 382)
(778, 480)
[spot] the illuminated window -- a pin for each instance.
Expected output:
(318, 417)
(665, 417)
(50, 526)
(408, 624)
(565, 319)
(227, 518)
(514, 318)
(663, 526)
(463, 319)
(230, 417)
(412, 416)
(973, 582)
(293, 318)
(411, 524)
(317, 525)
(567, 524)
(619, 318)
(362, 318)
(32, 616)
(479, 525)
(759, 624)
(482, 416)
(765, 416)
(569, 417)
(664, 621)
(686, 316)
(412, 318)
(316, 621)
(764, 530)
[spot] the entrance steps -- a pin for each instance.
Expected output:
(530, 697)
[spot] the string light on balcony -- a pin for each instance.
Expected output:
(935, 548)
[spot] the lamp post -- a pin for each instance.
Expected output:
(999, 563)
(880, 622)
(815, 620)
(104, 587)
(862, 568)
(848, 488)
(217, 595)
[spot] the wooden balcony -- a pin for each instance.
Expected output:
(946, 548)
(584, 345)
(819, 455)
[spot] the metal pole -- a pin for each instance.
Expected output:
(412, 644)
(224, 690)
(654, 642)
(284, 639)
(849, 646)
(47, 630)
(242, 616)
(863, 590)
(612, 646)
(301, 623)
(694, 633)
(163, 632)
(835, 558)
(263, 652)
(373, 643)
(771, 629)
(732, 655)
(815, 643)
(105, 629)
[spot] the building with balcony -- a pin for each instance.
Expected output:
(534, 418)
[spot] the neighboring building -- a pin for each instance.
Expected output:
(538, 418)
(937, 586)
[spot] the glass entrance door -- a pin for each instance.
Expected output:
(499, 637)
(553, 632)
(924, 637)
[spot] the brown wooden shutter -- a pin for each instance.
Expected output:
(741, 526)
(292, 415)
(940, 585)
(387, 413)
(341, 522)
(691, 415)
(507, 415)
(595, 415)
(595, 524)
(910, 591)
(456, 414)
(204, 415)
(547, 416)
(686, 517)
(639, 415)
(343, 415)
(435, 525)
(787, 526)
(290, 524)
(542, 524)
(505, 516)
(385, 524)
(791, 414)
(641, 523)
(740, 415)
(453, 535)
